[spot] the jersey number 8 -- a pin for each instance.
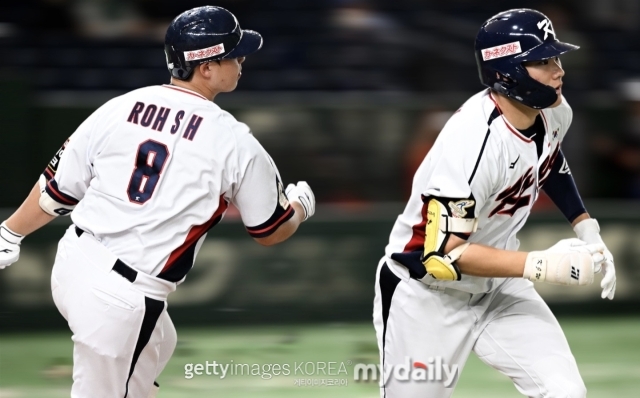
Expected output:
(152, 155)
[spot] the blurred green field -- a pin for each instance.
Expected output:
(38, 365)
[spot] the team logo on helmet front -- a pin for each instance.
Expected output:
(546, 26)
(204, 53)
(501, 51)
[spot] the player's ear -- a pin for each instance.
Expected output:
(205, 69)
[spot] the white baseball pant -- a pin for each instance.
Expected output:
(123, 336)
(510, 329)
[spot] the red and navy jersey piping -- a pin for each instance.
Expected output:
(184, 90)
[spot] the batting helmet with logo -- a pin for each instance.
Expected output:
(510, 38)
(205, 34)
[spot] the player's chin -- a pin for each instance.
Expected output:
(231, 87)
(558, 102)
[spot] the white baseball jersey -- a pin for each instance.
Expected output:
(484, 168)
(153, 170)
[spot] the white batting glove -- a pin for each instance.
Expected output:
(302, 194)
(9, 246)
(568, 262)
(589, 231)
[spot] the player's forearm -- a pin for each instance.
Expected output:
(568, 262)
(287, 229)
(29, 217)
(480, 260)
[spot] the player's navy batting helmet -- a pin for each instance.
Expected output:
(510, 38)
(205, 34)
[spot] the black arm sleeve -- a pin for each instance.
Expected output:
(562, 189)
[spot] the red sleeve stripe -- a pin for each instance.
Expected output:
(261, 233)
(54, 192)
(419, 232)
(48, 174)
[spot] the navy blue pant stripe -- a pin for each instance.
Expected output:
(388, 283)
(153, 309)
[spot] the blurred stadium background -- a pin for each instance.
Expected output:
(348, 95)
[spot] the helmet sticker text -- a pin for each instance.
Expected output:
(501, 51)
(204, 53)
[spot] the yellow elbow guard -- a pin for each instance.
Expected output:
(439, 225)
(441, 269)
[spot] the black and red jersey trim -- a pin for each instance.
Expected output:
(186, 91)
(419, 231)
(279, 217)
(51, 169)
(60, 197)
(514, 131)
(48, 173)
(494, 114)
(181, 259)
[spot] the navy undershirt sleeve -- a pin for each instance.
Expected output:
(562, 190)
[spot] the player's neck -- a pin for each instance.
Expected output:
(201, 89)
(520, 116)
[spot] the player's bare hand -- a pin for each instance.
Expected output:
(568, 262)
(9, 246)
(302, 193)
(589, 231)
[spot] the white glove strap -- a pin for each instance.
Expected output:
(535, 268)
(9, 235)
(560, 268)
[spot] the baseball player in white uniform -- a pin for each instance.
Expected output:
(452, 280)
(144, 178)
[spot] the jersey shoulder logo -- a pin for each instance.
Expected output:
(513, 164)
(513, 198)
(459, 208)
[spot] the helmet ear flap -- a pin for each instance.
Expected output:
(177, 67)
(505, 81)
(497, 80)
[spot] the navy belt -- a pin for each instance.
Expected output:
(121, 268)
